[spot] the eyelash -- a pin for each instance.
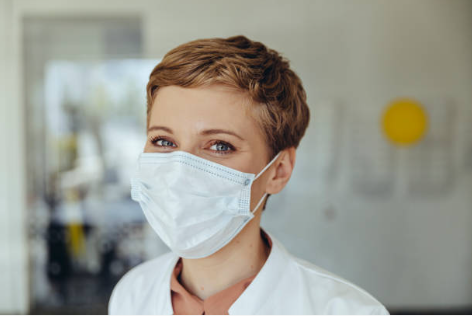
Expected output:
(155, 139)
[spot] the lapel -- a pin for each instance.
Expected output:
(254, 298)
(251, 300)
(163, 294)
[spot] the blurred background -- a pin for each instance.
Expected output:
(382, 190)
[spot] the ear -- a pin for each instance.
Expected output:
(281, 171)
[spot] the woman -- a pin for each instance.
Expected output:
(224, 118)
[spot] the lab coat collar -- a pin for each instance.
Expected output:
(261, 287)
(266, 281)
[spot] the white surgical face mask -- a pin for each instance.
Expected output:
(196, 206)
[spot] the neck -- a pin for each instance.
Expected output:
(241, 258)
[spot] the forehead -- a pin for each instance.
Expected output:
(214, 106)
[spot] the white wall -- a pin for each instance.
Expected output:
(13, 255)
(357, 53)
(4, 232)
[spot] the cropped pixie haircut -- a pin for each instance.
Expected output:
(277, 94)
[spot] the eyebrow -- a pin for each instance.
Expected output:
(155, 128)
(205, 132)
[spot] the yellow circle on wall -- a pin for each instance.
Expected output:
(405, 121)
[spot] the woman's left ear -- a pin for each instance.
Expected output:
(282, 171)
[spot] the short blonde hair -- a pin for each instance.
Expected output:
(278, 96)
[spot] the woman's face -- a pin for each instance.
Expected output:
(212, 123)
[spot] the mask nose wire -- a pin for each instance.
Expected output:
(262, 171)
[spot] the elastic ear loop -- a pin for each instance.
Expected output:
(262, 171)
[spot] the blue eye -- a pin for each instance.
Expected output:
(161, 142)
(164, 142)
(222, 147)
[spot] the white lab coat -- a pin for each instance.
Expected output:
(284, 285)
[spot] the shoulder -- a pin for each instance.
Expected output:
(130, 294)
(296, 286)
(334, 294)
